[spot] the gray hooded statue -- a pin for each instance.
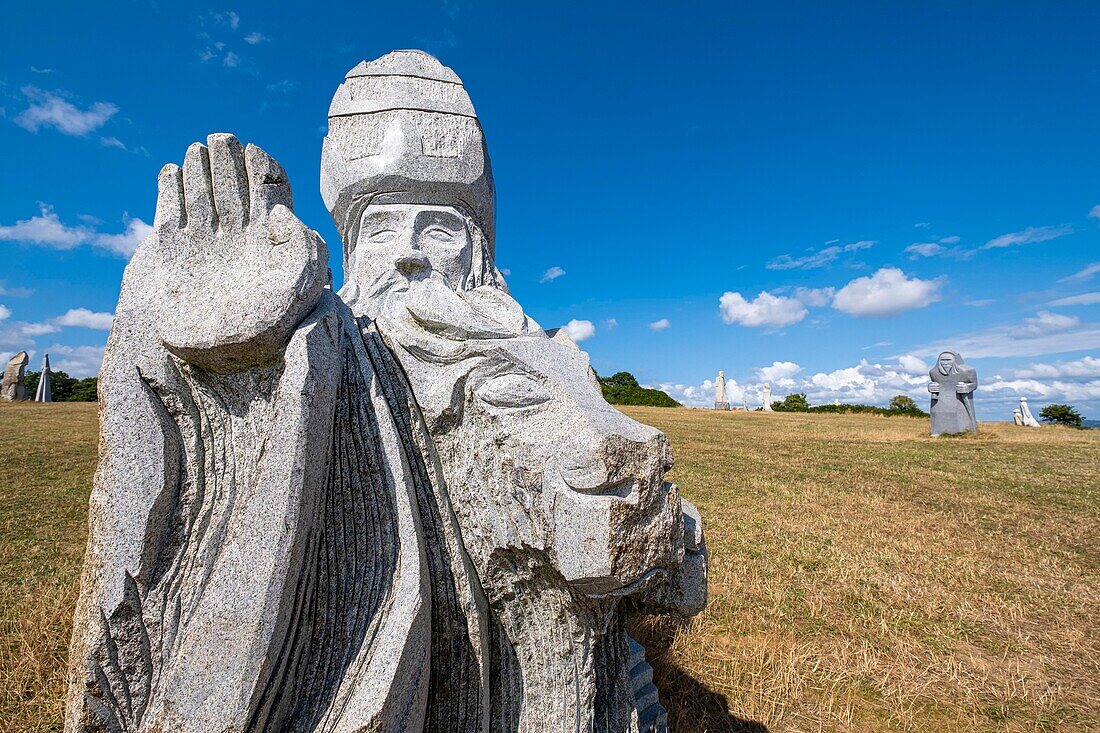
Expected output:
(952, 387)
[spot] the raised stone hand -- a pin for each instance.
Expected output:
(238, 271)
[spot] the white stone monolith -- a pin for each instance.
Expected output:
(1029, 420)
(12, 387)
(721, 401)
(766, 401)
(44, 392)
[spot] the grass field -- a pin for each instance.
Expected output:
(863, 576)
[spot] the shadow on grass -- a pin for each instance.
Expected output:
(692, 706)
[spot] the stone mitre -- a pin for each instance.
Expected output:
(402, 129)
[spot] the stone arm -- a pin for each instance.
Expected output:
(969, 384)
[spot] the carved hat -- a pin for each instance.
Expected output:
(402, 129)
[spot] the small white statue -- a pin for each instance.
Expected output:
(1018, 417)
(767, 406)
(1025, 413)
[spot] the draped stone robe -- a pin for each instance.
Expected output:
(267, 549)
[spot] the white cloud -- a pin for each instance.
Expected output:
(818, 259)
(231, 60)
(923, 224)
(980, 303)
(1029, 236)
(580, 330)
(779, 373)
(660, 325)
(4, 313)
(1095, 212)
(1082, 299)
(36, 329)
(84, 318)
(766, 310)
(886, 293)
(551, 274)
(953, 239)
(1088, 366)
(255, 37)
(47, 230)
(816, 297)
(912, 365)
(1083, 274)
(285, 86)
(15, 292)
(76, 361)
(610, 323)
(48, 109)
(127, 242)
(924, 249)
(1045, 333)
(112, 142)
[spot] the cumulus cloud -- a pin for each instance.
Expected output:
(660, 325)
(76, 361)
(551, 274)
(1082, 299)
(50, 109)
(886, 293)
(15, 292)
(580, 330)
(780, 373)
(47, 230)
(4, 312)
(817, 259)
(912, 365)
(84, 318)
(1029, 236)
(816, 297)
(1086, 273)
(1088, 366)
(765, 310)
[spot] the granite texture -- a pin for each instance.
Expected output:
(952, 384)
(400, 507)
(12, 386)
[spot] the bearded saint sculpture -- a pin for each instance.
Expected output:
(402, 506)
(952, 384)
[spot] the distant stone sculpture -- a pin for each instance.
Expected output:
(767, 400)
(12, 387)
(952, 388)
(399, 507)
(1018, 417)
(44, 392)
(1029, 420)
(721, 401)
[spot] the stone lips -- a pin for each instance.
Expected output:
(403, 126)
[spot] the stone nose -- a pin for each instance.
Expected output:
(411, 262)
(587, 474)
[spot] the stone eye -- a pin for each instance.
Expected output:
(439, 234)
(382, 236)
(512, 390)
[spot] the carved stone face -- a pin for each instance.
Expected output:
(946, 363)
(399, 243)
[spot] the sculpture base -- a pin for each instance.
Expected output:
(721, 405)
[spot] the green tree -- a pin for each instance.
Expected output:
(63, 388)
(792, 403)
(903, 403)
(620, 379)
(1061, 415)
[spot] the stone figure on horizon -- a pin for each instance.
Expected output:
(400, 506)
(952, 384)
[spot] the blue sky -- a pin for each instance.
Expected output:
(816, 195)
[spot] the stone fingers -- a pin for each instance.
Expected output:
(229, 184)
(170, 214)
(267, 184)
(198, 194)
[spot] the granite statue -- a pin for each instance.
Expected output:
(721, 401)
(1027, 419)
(1018, 417)
(12, 387)
(44, 393)
(766, 402)
(399, 506)
(952, 384)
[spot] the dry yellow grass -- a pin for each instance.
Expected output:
(863, 576)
